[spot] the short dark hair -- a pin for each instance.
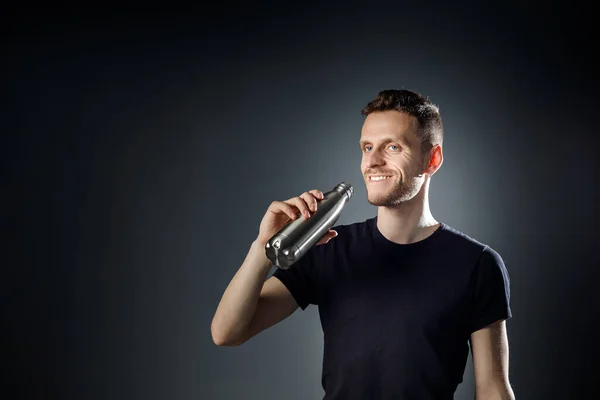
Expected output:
(431, 130)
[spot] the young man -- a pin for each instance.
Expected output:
(400, 295)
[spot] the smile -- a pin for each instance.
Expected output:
(378, 178)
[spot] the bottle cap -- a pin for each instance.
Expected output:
(345, 188)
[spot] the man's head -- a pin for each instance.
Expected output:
(400, 141)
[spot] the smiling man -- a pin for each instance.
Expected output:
(401, 296)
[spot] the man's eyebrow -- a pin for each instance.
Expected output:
(387, 140)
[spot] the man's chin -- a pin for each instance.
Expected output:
(379, 201)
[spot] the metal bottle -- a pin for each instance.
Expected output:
(294, 240)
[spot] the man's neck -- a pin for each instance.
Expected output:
(408, 222)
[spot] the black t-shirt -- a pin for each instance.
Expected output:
(397, 318)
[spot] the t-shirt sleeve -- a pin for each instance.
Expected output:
(491, 291)
(302, 278)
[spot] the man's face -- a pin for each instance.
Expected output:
(392, 164)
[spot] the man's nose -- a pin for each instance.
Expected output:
(374, 159)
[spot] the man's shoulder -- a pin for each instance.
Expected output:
(459, 239)
(459, 236)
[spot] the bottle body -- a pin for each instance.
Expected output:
(294, 240)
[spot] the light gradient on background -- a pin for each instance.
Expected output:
(146, 158)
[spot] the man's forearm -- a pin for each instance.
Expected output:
(239, 302)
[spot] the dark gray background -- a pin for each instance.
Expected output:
(142, 153)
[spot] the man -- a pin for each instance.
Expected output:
(400, 295)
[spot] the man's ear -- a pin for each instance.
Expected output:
(436, 159)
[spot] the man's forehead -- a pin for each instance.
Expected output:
(389, 125)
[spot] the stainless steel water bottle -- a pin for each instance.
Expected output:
(293, 240)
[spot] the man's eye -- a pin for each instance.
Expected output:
(396, 147)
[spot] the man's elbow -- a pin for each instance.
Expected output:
(222, 341)
(221, 338)
(496, 391)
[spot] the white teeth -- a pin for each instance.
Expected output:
(378, 178)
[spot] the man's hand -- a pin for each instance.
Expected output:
(280, 213)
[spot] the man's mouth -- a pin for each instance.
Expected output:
(378, 178)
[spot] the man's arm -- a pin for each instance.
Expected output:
(489, 347)
(249, 304)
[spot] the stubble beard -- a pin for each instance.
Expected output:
(402, 191)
